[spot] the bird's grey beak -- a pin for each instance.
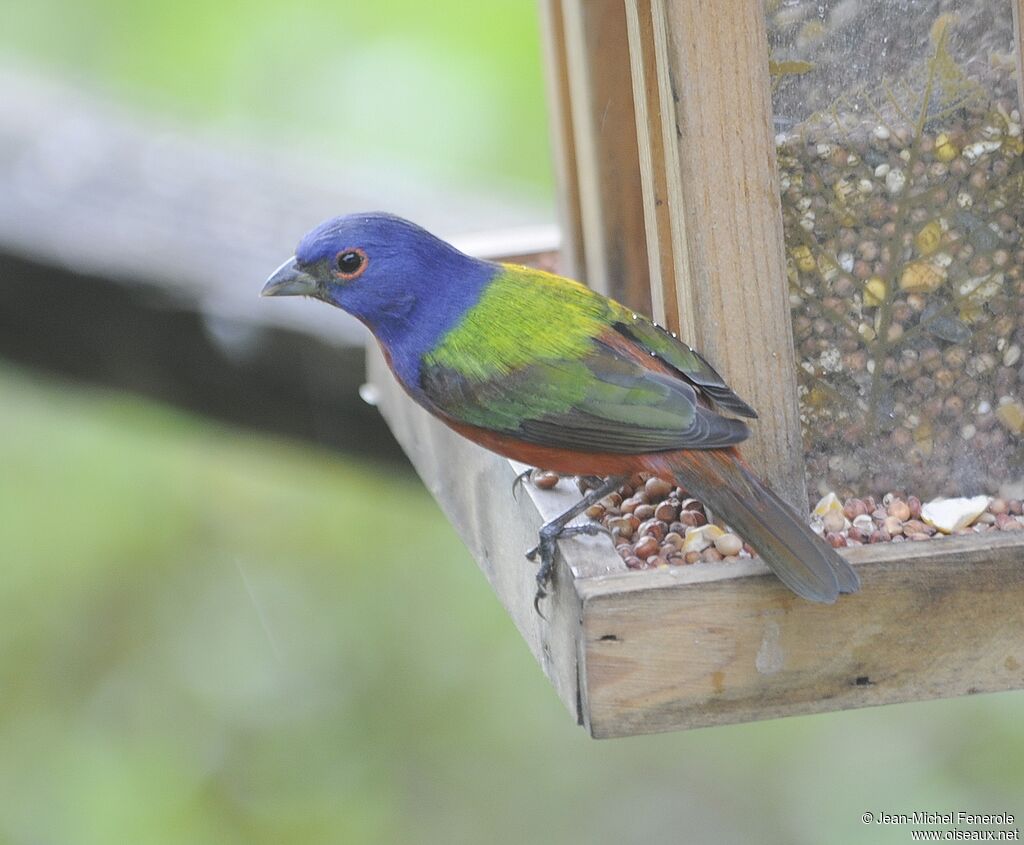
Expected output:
(289, 280)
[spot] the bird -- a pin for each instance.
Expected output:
(545, 371)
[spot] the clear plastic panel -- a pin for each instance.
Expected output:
(900, 157)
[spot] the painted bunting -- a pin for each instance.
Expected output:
(545, 371)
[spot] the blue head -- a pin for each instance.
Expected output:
(406, 285)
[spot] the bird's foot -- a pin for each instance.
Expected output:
(559, 528)
(550, 534)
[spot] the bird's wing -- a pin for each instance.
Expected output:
(539, 357)
(602, 401)
(686, 361)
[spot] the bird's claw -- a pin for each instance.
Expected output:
(519, 480)
(540, 594)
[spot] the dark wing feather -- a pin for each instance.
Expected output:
(603, 401)
(686, 361)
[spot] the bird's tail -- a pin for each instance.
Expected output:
(802, 560)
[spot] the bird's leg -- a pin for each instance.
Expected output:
(559, 528)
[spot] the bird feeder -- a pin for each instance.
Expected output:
(826, 199)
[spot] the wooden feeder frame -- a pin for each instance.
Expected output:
(669, 201)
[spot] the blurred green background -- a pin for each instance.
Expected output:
(213, 636)
(446, 89)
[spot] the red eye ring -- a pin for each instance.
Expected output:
(350, 263)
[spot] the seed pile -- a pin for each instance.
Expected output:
(896, 518)
(654, 523)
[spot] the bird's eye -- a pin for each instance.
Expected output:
(350, 263)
